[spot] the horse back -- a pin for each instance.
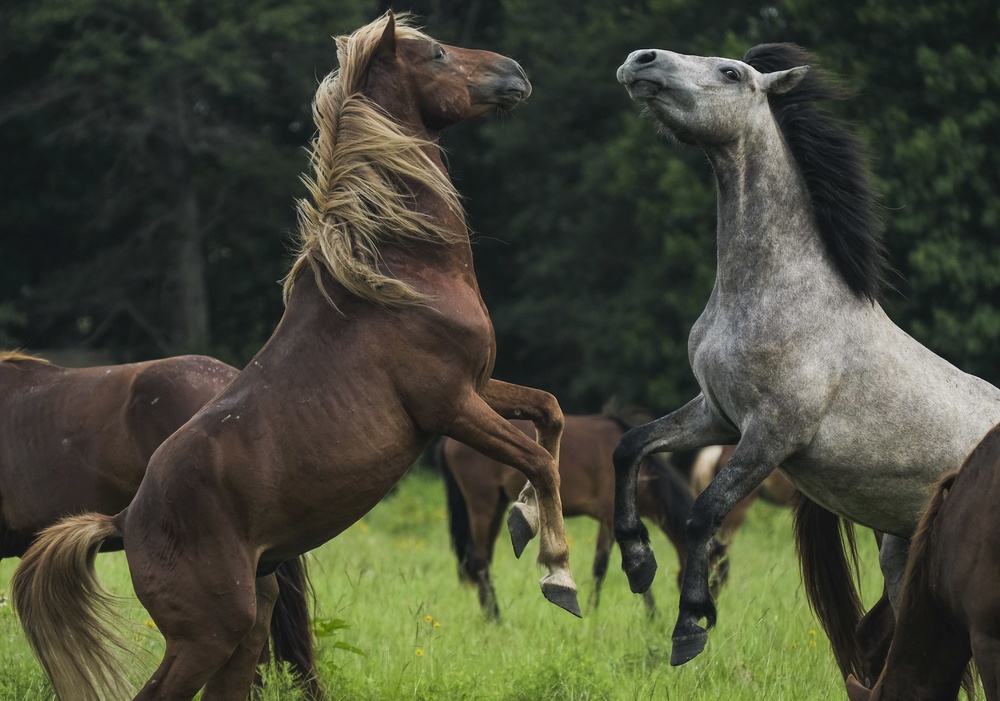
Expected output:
(165, 393)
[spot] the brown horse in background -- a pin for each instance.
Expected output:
(775, 489)
(384, 343)
(950, 608)
(75, 440)
(479, 490)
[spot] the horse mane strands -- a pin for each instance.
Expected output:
(834, 165)
(17, 356)
(360, 160)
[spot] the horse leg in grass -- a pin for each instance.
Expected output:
(203, 633)
(484, 533)
(231, 682)
(480, 426)
(690, 427)
(986, 653)
(759, 451)
(605, 541)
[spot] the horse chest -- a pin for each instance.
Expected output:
(738, 356)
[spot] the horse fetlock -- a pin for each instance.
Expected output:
(522, 522)
(559, 588)
(639, 565)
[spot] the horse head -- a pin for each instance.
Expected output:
(701, 100)
(421, 81)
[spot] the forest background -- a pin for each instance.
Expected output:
(151, 152)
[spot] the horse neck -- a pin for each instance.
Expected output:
(766, 227)
(457, 255)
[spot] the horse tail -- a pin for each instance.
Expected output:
(67, 616)
(291, 630)
(829, 577)
(459, 526)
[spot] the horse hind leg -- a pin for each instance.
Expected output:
(234, 679)
(204, 618)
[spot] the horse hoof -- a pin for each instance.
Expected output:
(562, 596)
(687, 647)
(641, 573)
(520, 530)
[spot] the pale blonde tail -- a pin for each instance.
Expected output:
(67, 615)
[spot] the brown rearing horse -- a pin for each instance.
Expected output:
(75, 440)
(950, 606)
(479, 490)
(384, 343)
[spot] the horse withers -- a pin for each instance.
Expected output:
(798, 364)
(479, 490)
(385, 342)
(79, 439)
(950, 606)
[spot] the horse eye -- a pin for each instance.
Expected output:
(439, 52)
(731, 73)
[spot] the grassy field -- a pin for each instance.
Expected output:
(396, 624)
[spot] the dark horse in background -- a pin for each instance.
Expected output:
(384, 343)
(480, 489)
(75, 440)
(798, 364)
(950, 608)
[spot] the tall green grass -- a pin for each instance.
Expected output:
(394, 622)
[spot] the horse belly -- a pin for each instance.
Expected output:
(879, 474)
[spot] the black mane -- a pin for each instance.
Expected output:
(834, 166)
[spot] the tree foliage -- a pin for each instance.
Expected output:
(157, 144)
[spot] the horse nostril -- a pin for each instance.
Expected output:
(645, 57)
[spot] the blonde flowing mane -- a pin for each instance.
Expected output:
(360, 159)
(15, 356)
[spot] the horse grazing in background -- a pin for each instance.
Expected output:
(775, 489)
(479, 490)
(385, 342)
(950, 608)
(798, 364)
(75, 440)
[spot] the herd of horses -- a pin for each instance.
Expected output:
(196, 470)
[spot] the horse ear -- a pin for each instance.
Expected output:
(856, 692)
(782, 81)
(387, 43)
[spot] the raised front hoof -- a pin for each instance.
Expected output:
(520, 529)
(688, 646)
(640, 571)
(562, 596)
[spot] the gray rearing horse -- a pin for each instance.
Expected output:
(796, 360)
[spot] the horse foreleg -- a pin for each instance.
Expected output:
(692, 426)
(758, 452)
(516, 402)
(479, 426)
